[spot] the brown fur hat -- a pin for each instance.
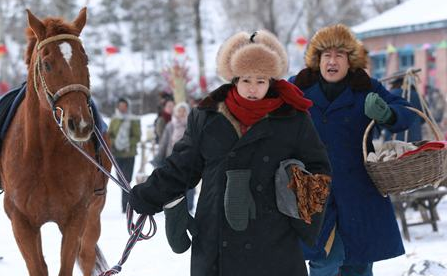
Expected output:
(259, 53)
(339, 37)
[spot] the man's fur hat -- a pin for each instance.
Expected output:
(339, 37)
(259, 53)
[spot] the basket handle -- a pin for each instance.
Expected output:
(438, 135)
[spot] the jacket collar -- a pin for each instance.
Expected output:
(214, 98)
(308, 80)
(359, 80)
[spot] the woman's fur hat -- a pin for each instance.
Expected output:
(259, 53)
(339, 37)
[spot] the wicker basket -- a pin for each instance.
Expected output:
(410, 172)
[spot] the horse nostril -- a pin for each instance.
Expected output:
(71, 125)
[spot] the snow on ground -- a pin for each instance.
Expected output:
(154, 257)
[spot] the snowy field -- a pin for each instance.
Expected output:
(154, 257)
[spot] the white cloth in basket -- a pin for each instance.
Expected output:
(390, 150)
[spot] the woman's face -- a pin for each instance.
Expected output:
(169, 107)
(253, 87)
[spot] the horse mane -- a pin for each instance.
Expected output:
(53, 26)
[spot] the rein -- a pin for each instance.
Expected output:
(135, 229)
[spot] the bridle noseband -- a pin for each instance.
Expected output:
(52, 98)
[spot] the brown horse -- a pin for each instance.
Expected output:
(45, 178)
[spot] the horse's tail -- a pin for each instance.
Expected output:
(100, 262)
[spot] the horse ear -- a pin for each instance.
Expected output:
(79, 22)
(36, 25)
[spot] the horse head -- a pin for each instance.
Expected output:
(57, 66)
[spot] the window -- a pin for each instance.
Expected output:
(406, 60)
(378, 65)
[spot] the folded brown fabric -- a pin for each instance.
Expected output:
(311, 192)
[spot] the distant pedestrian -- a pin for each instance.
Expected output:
(163, 118)
(125, 133)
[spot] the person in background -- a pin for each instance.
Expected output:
(164, 117)
(359, 224)
(173, 132)
(125, 133)
(235, 140)
(414, 132)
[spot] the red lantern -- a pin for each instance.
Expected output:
(202, 84)
(110, 50)
(4, 87)
(301, 41)
(3, 49)
(179, 49)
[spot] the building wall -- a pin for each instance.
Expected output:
(400, 40)
(379, 44)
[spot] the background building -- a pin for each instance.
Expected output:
(412, 34)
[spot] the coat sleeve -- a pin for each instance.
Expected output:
(404, 116)
(164, 141)
(181, 171)
(312, 152)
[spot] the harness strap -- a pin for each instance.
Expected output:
(56, 38)
(69, 88)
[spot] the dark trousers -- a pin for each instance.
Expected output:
(333, 264)
(126, 165)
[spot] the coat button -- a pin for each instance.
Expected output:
(232, 154)
(224, 244)
(247, 246)
(259, 188)
(265, 159)
(324, 120)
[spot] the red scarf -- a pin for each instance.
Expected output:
(249, 112)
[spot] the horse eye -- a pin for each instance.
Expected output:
(47, 66)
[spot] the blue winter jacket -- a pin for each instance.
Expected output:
(364, 218)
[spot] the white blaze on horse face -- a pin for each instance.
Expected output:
(82, 124)
(66, 51)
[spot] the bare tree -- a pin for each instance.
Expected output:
(199, 43)
(380, 6)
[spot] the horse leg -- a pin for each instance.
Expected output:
(71, 236)
(91, 259)
(28, 239)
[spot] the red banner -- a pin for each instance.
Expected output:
(179, 49)
(110, 50)
(3, 49)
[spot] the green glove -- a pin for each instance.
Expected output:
(178, 220)
(238, 201)
(377, 109)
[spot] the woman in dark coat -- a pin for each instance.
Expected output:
(235, 141)
(359, 225)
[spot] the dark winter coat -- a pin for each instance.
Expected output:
(364, 218)
(209, 148)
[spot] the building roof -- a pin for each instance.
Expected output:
(410, 16)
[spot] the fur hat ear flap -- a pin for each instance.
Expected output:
(338, 37)
(260, 53)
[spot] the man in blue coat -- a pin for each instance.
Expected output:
(359, 225)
